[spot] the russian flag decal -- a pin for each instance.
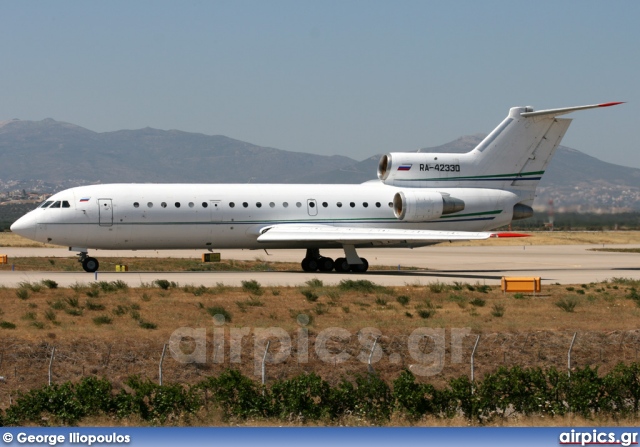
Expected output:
(85, 199)
(404, 167)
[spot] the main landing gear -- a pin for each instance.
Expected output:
(314, 262)
(89, 264)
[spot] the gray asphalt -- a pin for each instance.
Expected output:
(564, 264)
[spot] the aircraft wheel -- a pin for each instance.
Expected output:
(325, 264)
(360, 268)
(341, 265)
(90, 265)
(309, 264)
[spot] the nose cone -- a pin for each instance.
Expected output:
(25, 227)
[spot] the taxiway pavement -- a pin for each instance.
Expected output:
(564, 264)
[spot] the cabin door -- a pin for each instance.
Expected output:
(105, 212)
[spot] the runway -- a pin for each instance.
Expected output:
(564, 264)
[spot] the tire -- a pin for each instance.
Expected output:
(341, 265)
(325, 264)
(309, 265)
(360, 268)
(90, 265)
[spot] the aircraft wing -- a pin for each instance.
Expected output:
(357, 235)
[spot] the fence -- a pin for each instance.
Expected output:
(27, 365)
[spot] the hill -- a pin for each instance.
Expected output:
(50, 155)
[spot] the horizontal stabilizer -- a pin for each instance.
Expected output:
(565, 110)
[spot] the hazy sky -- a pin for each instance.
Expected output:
(355, 78)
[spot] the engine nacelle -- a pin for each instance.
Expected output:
(419, 205)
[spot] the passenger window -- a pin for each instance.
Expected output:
(205, 204)
(245, 204)
(163, 204)
(390, 204)
(191, 205)
(232, 205)
(177, 204)
(377, 204)
(365, 204)
(298, 204)
(339, 204)
(46, 204)
(150, 204)
(312, 205)
(352, 205)
(325, 204)
(136, 204)
(272, 205)
(65, 204)
(285, 204)
(259, 205)
(56, 204)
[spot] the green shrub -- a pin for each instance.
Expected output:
(92, 305)
(497, 310)
(310, 295)
(253, 287)
(403, 300)
(102, 319)
(22, 293)
(219, 310)
(568, 304)
(360, 285)
(7, 325)
(478, 302)
(49, 283)
(315, 283)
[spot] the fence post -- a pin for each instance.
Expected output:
(569, 354)
(164, 349)
(473, 353)
(264, 359)
(53, 353)
(373, 348)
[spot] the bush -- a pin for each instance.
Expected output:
(7, 325)
(49, 283)
(497, 310)
(567, 304)
(164, 284)
(219, 310)
(310, 296)
(360, 285)
(403, 300)
(252, 287)
(102, 319)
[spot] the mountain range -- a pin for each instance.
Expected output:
(50, 155)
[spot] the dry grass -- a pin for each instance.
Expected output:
(532, 332)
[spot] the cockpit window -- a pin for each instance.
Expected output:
(65, 204)
(46, 204)
(56, 204)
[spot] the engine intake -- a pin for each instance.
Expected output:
(417, 206)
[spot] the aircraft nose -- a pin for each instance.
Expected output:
(25, 227)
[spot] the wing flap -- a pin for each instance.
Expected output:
(355, 235)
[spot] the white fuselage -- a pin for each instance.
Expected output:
(215, 216)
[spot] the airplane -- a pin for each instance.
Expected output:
(419, 199)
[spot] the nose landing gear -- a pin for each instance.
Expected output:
(89, 264)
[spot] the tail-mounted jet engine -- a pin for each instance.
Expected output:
(419, 205)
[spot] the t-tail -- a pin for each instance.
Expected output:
(513, 157)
